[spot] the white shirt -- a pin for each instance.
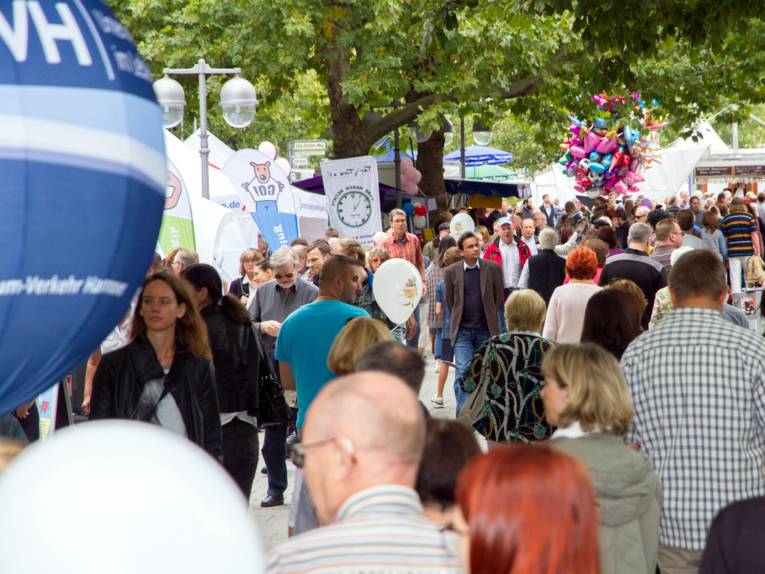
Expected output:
(511, 263)
(532, 243)
(477, 265)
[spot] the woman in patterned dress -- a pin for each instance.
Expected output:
(505, 379)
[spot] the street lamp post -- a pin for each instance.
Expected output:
(237, 96)
(482, 135)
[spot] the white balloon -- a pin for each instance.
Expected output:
(419, 221)
(461, 223)
(267, 149)
(283, 164)
(397, 288)
(123, 497)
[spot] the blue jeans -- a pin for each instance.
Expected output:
(413, 343)
(275, 455)
(467, 343)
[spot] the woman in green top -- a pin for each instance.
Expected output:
(586, 398)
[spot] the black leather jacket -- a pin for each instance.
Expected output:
(120, 378)
(236, 361)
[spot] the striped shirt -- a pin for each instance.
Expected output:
(697, 383)
(407, 248)
(737, 229)
(378, 530)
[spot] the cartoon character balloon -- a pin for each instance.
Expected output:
(84, 180)
(608, 153)
(397, 289)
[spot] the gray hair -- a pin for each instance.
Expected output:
(639, 233)
(548, 238)
(186, 256)
(282, 256)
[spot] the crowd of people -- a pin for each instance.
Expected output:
(595, 350)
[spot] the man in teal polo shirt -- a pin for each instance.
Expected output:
(302, 346)
(306, 336)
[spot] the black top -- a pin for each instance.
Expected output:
(547, 270)
(735, 544)
(472, 311)
(236, 360)
(637, 266)
(121, 376)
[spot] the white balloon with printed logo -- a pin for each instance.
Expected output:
(397, 288)
(460, 224)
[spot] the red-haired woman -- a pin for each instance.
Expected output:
(164, 376)
(526, 510)
(565, 313)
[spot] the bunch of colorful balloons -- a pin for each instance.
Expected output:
(608, 153)
(418, 211)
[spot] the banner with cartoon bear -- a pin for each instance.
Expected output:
(265, 194)
(353, 197)
(177, 226)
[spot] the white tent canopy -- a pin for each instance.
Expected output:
(220, 235)
(219, 151)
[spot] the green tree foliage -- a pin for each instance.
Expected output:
(523, 65)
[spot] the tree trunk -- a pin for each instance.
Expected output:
(347, 130)
(430, 161)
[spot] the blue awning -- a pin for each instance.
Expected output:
(480, 155)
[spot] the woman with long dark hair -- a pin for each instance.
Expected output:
(237, 363)
(164, 375)
(612, 320)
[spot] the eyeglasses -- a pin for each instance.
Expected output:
(297, 451)
(285, 276)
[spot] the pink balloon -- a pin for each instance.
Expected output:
(416, 176)
(610, 183)
(591, 141)
(607, 146)
(620, 188)
(577, 151)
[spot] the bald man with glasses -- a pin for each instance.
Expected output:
(360, 451)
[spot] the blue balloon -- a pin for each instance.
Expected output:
(628, 137)
(84, 178)
(408, 208)
(597, 167)
(607, 159)
(600, 124)
(594, 156)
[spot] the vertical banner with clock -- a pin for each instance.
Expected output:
(353, 197)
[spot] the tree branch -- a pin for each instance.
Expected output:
(411, 110)
(400, 116)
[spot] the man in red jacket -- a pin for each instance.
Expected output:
(511, 255)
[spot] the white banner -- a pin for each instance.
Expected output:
(353, 197)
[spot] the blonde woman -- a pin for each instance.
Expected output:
(585, 396)
(242, 285)
(356, 337)
(505, 377)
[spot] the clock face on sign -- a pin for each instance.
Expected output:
(354, 208)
